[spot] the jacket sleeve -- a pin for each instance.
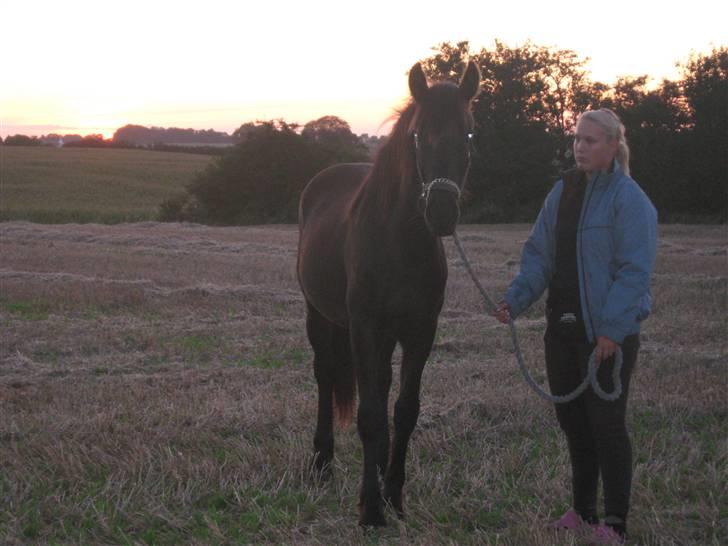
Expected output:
(537, 260)
(635, 249)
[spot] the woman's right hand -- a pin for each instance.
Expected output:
(502, 312)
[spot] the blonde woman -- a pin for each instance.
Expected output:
(593, 246)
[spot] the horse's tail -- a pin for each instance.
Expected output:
(344, 385)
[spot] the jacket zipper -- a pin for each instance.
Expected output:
(581, 256)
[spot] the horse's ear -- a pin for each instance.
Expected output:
(470, 84)
(417, 82)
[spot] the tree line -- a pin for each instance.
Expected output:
(128, 136)
(139, 135)
(175, 139)
(172, 139)
(525, 116)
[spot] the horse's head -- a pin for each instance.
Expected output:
(441, 132)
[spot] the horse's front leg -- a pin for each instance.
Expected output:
(416, 348)
(372, 352)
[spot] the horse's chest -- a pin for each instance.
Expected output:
(411, 294)
(402, 294)
(397, 282)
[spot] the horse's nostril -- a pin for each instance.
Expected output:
(442, 212)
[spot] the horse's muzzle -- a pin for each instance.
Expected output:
(442, 209)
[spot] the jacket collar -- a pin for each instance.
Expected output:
(575, 175)
(603, 179)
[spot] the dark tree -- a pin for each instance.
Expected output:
(259, 179)
(705, 87)
(21, 140)
(89, 141)
(334, 137)
(448, 61)
(138, 135)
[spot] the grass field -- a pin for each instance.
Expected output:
(79, 185)
(156, 388)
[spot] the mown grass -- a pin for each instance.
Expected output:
(84, 185)
(156, 388)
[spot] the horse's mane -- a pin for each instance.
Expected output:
(395, 159)
(396, 152)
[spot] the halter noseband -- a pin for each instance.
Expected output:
(440, 184)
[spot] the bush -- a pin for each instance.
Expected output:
(182, 208)
(21, 140)
(260, 179)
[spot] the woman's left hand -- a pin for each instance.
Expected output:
(605, 348)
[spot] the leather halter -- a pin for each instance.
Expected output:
(439, 184)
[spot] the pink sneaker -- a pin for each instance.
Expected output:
(605, 535)
(570, 520)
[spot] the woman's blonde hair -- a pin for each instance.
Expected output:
(614, 129)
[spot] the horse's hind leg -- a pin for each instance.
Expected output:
(321, 335)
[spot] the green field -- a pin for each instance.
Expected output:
(156, 384)
(82, 185)
(156, 389)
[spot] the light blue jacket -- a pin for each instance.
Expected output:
(616, 244)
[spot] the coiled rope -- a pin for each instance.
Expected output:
(590, 379)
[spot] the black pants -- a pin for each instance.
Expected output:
(595, 429)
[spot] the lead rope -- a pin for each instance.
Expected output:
(591, 377)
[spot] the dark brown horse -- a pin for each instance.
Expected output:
(372, 269)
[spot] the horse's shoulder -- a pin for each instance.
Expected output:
(340, 175)
(331, 189)
(359, 170)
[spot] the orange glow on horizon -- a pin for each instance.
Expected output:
(80, 72)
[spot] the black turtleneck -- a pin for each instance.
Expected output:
(564, 287)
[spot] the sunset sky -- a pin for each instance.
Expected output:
(91, 67)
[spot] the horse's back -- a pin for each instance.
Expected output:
(323, 212)
(330, 192)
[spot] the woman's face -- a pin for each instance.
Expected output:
(593, 149)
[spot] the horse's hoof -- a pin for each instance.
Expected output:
(395, 501)
(321, 470)
(322, 476)
(372, 518)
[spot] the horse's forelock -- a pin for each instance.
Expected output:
(445, 105)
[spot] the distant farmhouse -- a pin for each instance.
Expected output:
(59, 140)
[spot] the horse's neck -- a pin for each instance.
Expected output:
(388, 196)
(392, 177)
(389, 209)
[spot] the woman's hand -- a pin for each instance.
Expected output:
(503, 312)
(605, 348)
